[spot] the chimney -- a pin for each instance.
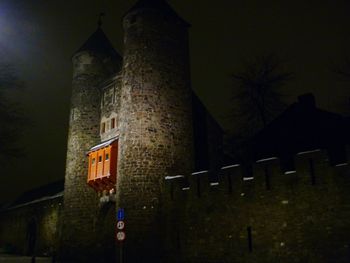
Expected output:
(307, 101)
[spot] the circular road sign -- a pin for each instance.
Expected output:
(120, 225)
(121, 236)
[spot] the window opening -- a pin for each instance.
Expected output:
(100, 159)
(267, 178)
(229, 183)
(106, 157)
(112, 123)
(198, 187)
(250, 240)
(312, 171)
(172, 191)
(103, 127)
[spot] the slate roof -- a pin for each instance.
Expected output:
(160, 5)
(99, 43)
(48, 191)
(302, 127)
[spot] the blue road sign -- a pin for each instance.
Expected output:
(121, 214)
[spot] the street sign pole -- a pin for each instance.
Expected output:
(121, 252)
(120, 233)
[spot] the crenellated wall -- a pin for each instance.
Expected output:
(231, 216)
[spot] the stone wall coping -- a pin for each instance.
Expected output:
(45, 198)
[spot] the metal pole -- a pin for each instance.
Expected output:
(121, 252)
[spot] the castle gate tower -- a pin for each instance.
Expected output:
(155, 121)
(92, 63)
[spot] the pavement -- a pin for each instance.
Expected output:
(5, 258)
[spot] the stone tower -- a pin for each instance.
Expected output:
(92, 63)
(155, 120)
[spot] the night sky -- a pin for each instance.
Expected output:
(38, 38)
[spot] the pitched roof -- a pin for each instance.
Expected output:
(50, 190)
(102, 145)
(160, 5)
(302, 127)
(155, 4)
(99, 43)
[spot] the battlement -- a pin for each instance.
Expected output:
(309, 168)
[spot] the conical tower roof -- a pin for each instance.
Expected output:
(99, 43)
(160, 5)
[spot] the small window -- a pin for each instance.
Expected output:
(93, 161)
(112, 123)
(106, 157)
(100, 159)
(103, 127)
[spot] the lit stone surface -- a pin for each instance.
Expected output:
(80, 219)
(155, 123)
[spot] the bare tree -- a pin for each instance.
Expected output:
(11, 118)
(256, 100)
(256, 97)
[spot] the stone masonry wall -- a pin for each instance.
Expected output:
(155, 124)
(208, 137)
(81, 206)
(15, 223)
(110, 106)
(300, 217)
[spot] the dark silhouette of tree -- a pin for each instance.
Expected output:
(11, 118)
(256, 97)
(256, 100)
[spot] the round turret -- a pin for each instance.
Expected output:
(92, 64)
(155, 120)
